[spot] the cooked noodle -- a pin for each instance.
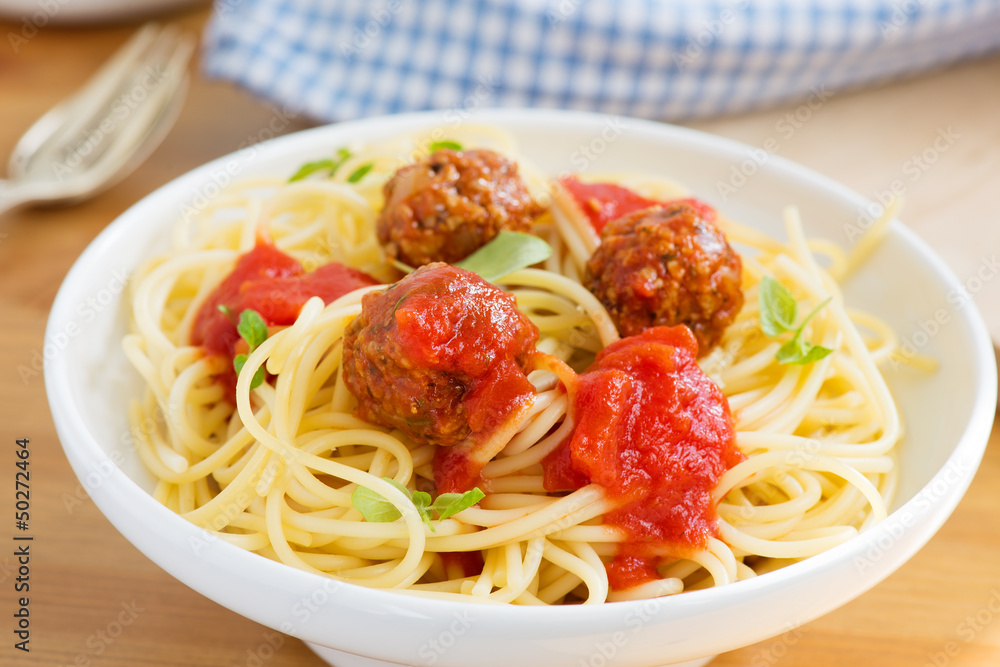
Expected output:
(275, 475)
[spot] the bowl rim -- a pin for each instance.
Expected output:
(83, 449)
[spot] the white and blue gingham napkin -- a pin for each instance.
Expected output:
(660, 59)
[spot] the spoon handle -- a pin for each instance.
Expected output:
(13, 194)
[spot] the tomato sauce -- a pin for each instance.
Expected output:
(657, 434)
(275, 285)
(604, 202)
(459, 328)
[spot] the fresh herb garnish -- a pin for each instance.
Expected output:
(253, 329)
(227, 311)
(777, 307)
(330, 165)
(507, 252)
(374, 507)
(360, 172)
(778, 311)
(445, 143)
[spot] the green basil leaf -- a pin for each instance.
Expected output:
(813, 313)
(252, 328)
(329, 165)
(800, 352)
(445, 143)
(310, 168)
(814, 353)
(449, 504)
(373, 506)
(777, 316)
(343, 155)
(777, 307)
(258, 378)
(445, 500)
(360, 172)
(421, 499)
(238, 362)
(506, 253)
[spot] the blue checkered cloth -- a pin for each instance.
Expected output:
(661, 59)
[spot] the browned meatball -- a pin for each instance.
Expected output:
(441, 355)
(667, 266)
(448, 205)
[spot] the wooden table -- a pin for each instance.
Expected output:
(95, 600)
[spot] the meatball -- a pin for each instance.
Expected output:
(448, 205)
(667, 266)
(440, 355)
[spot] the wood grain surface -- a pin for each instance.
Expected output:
(95, 600)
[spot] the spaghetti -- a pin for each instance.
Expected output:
(273, 467)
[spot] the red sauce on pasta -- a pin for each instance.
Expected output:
(657, 434)
(604, 202)
(275, 285)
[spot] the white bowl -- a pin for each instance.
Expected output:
(948, 415)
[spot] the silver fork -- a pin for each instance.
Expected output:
(94, 138)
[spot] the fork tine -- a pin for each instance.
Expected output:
(146, 125)
(149, 75)
(70, 117)
(124, 127)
